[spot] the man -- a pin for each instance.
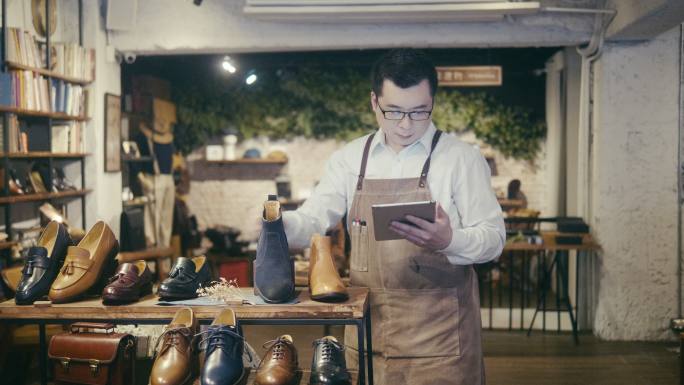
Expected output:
(425, 307)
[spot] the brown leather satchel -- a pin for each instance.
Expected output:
(84, 356)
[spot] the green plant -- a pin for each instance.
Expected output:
(318, 103)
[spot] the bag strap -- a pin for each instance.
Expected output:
(76, 327)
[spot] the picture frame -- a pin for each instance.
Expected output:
(112, 134)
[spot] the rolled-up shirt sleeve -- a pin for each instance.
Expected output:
(323, 209)
(482, 237)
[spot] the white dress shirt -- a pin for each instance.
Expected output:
(459, 179)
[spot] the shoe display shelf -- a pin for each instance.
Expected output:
(41, 123)
(355, 312)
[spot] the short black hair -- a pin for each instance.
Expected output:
(406, 68)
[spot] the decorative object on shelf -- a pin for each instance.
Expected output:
(60, 181)
(277, 155)
(252, 153)
(130, 149)
(223, 290)
(229, 144)
(283, 186)
(40, 18)
(213, 152)
(112, 133)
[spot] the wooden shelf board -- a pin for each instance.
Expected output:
(7, 244)
(45, 154)
(42, 196)
(52, 74)
(247, 161)
(91, 308)
(53, 115)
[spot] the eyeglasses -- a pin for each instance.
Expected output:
(399, 115)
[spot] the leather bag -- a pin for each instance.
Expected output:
(92, 354)
(132, 228)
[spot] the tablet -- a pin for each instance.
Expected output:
(384, 214)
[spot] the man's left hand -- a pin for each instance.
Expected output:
(433, 236)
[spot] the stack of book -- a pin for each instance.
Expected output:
(68, 137)
(30, 91)
(16, 136)
(68, 59)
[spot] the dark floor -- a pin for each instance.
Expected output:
(512, 358)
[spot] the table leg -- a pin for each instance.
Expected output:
(563, 276)
(42, 352)
(362, 353)
(369, 344)
(542, 297)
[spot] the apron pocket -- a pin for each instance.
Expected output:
(421, 323)
(359, 255)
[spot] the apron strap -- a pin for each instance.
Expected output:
(364, 160)
(426, 166)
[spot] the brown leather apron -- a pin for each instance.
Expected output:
(425, 311)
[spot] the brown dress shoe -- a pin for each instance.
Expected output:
(279, 366)
(129, 283)
(86, 265)
(176, 362)
(325, 284)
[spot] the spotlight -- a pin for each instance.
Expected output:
(251, 78)
(227, 65)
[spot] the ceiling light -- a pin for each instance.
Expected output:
(251, 78)
(228, 65)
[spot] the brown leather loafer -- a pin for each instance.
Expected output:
(280, 365)
(325, 284)
(86, 264)
(176, 362)
(129, 283)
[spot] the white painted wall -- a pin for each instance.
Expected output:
(104, 203)
(634, 190)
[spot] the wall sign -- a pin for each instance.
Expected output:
(475, 76)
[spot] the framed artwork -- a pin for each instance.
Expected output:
(112, 134)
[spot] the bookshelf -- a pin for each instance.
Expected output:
(44, 115)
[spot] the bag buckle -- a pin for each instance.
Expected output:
(65, 363)
(94, 367)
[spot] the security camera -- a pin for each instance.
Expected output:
(129, 57)
(197, 2)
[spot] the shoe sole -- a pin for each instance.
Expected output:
(258, 292)
(330, 297)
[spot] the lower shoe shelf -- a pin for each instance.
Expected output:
(303, 378)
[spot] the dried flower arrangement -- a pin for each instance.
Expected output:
(223, 290)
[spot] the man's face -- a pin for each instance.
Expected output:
(404, 132)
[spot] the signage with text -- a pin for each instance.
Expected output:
(474, 76)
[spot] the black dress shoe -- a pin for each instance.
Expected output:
(186, 277)
(328, 366)
(43, 262)
(273, 267)
(223, 345)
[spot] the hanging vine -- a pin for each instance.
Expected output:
(317, 103)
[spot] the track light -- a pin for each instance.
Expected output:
(251, 78)
(228, 65)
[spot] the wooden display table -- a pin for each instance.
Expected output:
(549, 246)
(354, 311)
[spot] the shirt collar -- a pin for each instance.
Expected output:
(425, 141)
